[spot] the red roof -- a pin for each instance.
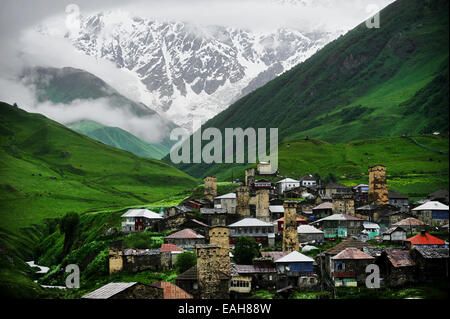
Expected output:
(351, 253)
(172, 291)
(169, 247)
(425, 239)
(185, 233)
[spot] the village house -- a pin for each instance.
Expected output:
(425, 240)
(241, 281)
(126, 290)
(397, 267)
(398, 200)
(261, 275)
(339, 226)
(296, 269)
(183, 220)
(348, 268)
(138, 220)
(380, 214)
(308, 181)
(323, 210)
(174, 210)
(188, 281)
(133, 260)
(260, 231)
(309, 234)
(361, 194)
(276, 212)
(286, 185)
(334, 188)
(371, 230)
(431, 263)
(411, 224)
(215, 216)
(227, 202)
(262, 184)
(169, 254)
(432, 213)
(395, 234)
(186, 238)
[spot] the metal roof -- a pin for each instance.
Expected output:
(432, 253)
(425, 239)
(170, 247)
(171, 291)
(227, 196)
(275, 255)
(288, 180)
(142, 213)
(109, 290)
(308, 229)
(140, 252)
(400, 258)
(213, 211)
(254, 269)
(294, 257)
(352, 253)
(432, 205)
(250, 222)
(276, 209)
(409, 222)
(338, 217)
(370, 225)
(325, 205)
(185, 233)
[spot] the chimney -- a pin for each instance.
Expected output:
(422, 232)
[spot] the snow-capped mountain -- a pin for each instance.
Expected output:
(190, 71)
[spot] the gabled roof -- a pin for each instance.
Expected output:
(425, 239)
(288, 180)
(171, 291)
(169, 247)
(338, 217)
(308, 229)
(324, 205)
(250, 222)
(370, 225)
(432, 205)
(409, 222)
(276, 209)
(400, 258)
(432, 253)
(109, 290)
(227, 196)
(185, 233)
(308, 177)
(394, 229)
(352, 253)
(294, 257)
(142, 213)
(350, 242)
(254, 269)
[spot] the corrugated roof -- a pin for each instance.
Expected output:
(351, 242)
(254, 269)
(308, 229)
(170, 247)
(432, 253)
(409, 222)
(425, 239)
(109, 290)
(249, 222)
(393, 229)
(324, 205)
(400, 258)
(432, 205)
(185, 233)
(227, 196)
(352, 253)
(338, 217)
(171, 291)
(276, 209)
(141, 213)
(294, 257)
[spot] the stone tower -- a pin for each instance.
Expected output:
(290, 234)
(249, 176)
(220, 237)
(242, 201)
(262, 205)
(210, 188)
(211, 278)
(343, 204)
(115, 257)
(378, 192)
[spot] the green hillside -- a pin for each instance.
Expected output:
(368, 83)
(118, 138)
(47, 170)
(411, 169)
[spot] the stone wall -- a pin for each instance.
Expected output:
(378, 192)
(343, 204)
(249, 176)
(290, 234)
(220, 237)
(242, 201)
(262, 205)
(211, 284)
(210, 188)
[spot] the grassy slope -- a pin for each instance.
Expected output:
(47, 170)
(121, 139)
(363, 85)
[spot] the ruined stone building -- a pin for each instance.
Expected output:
(261, 202)
(249, 176)
(242, 201)
(220, 236)
(343, 203)
(378, 192)
(133, 260)
(290, 235)
(210, 188)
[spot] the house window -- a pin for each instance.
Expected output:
(340, 266)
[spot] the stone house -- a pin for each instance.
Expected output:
(296, 269)
(126, 290)
(394, 234)
(397, 267)
(308, 233)
(175, 210)
(334, 188)
(398, 200)
(215, 216)
(432, 213)
(183, 220)
(169, 254)
(323, 210)
(139, 219)
(411, 224)
(262, 274)
(308, 181)
(186, 238)
(261, 231)
(348, 268)
(286, 185)
(431, 263)
(227, 202)
(339, 225)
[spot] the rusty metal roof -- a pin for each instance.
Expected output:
(409, 222)
(432, 253)
(185, 233)
(171, 291)
(352, 253)
(170, 247)
(400, 258)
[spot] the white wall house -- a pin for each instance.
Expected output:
(227, 202)
(287, 184)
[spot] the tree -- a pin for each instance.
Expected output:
(185, 261)
(245, 250)
(69, 224)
